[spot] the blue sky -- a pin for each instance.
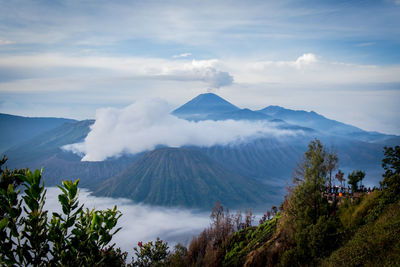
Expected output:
(68, 58)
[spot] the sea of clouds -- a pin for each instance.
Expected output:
(141, 222)
(144, 125)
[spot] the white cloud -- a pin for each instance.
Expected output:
(299, 63)
(309, 70)
(5, 42)
(365, 44)
(182, 55)
(306, 69)
(145, 124)
(94, 81)
(207, 71)
(203, 70)
(305, 59)
(141, 222)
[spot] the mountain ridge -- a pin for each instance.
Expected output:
(17, 129)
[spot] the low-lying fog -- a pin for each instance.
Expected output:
(141, 222)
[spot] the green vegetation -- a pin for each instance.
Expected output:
(77, 237)
(310, 229)
(150, 253)
(391, 177)
(374, 243)
(246, 240)
(354, 178)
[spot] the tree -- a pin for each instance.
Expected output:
(222, 223)
(178, 257)
(309, 220)
(207, 249)
(354, 178)
(340, 177)
(305, 203)
(331, 164)
(391, 165)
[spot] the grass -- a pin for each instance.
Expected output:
(374, 243)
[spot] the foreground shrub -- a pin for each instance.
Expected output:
(150, 254)
(74, 237)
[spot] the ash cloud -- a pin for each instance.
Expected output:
(144, 125)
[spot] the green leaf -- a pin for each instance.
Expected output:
(10, 189)
(3, 223)
(62, 189)
(95, 220)
(55, 214)
(70, 222)
(37, 175)
(22, 177)
(63, 199)
(67, 184)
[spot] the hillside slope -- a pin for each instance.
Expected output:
(376, 243)
(183, 177)
(18, 129)
(39, 148)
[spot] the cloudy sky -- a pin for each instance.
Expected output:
(69, 58)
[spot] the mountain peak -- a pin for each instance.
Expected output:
(208, 95)
(203, 105)
(208, 99)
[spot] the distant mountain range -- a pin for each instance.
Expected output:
(17, 129)
(250, 173)
(320, 123)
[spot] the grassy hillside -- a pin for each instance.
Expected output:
(375, 242)
(364, 241)
(360, 230)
